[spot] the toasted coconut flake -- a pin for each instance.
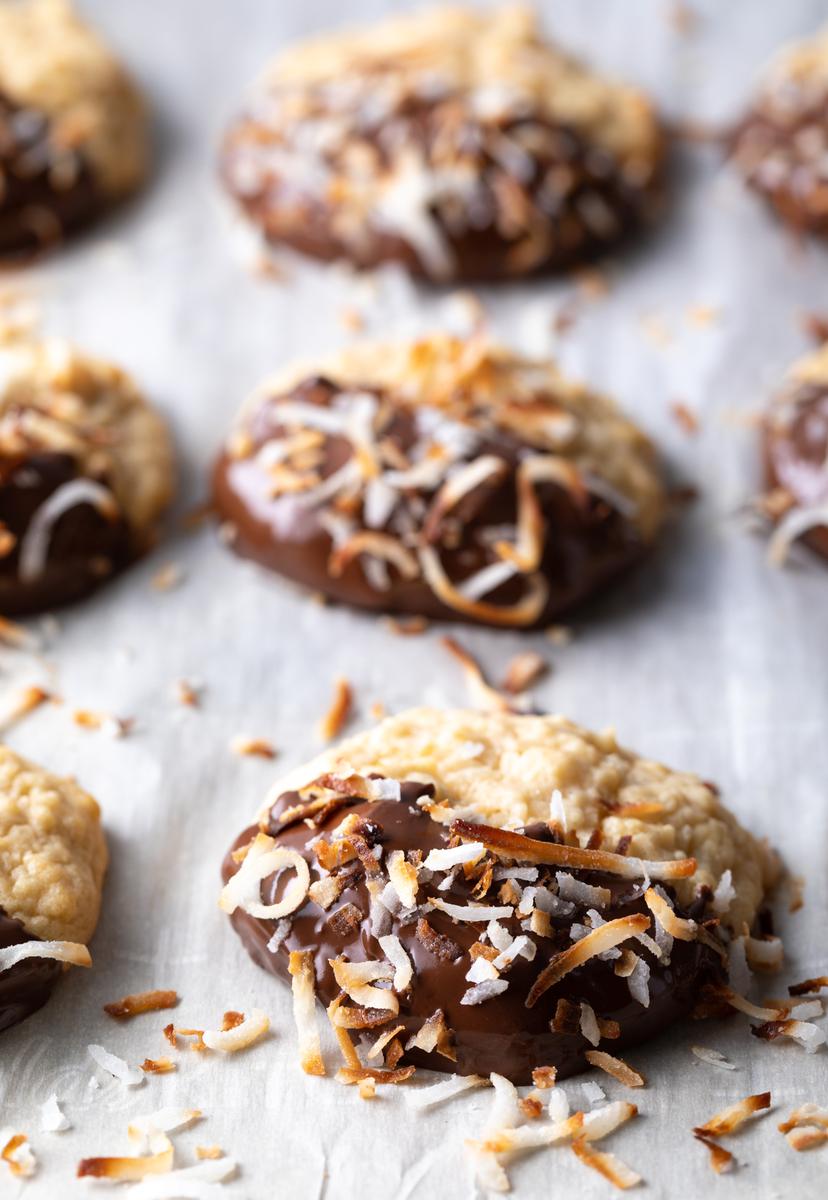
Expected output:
(326, 891)
(188, 694)
(12, 634)
(158, 1066)
(616, 1067)
(606, 1164)
(570, 888)
(683, 929)
(25, 701)
(806, 1114)
(346, 1046)
(131, 1076)
(403, 875)
(447, 1089)
(34, 545)
(382, 546)
(729, 1119)
(141, 1002)
(367, 1088)
(464, 481)
(816, 984)
(394, 951)
(240, 1036)
(68, 952)
(17, 1154)
(721, 1160)
(724, 894)
(142, 1129)
(378, 1074)
(168, 577)
(264, 857)
(604, 938)
(545, 1077)
(521, 947)
(806, 1034)
(482, 694)
(487, 990)
(252, 747)
(384, 1038)
(52, 1117)
(434, 1036)
(639, 983)
(209, 1152)
(303, 986)
(131, 1168)
(742, 1004)
(195, 1183)
(764, 954)
(508, 844)
(793, 525)
(806, 1137)
(488, 1172)
(443, 860)
(523, 671)
(348, 1017)
(438, 944)
(117, 727)
(714, 1057)
(525, 612)
(336, 717)
(356, 979)
(473, 912)
(589, 1025)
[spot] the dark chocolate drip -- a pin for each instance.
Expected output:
(796, 453)
(46, 190)
(25, 987)
(586, 547)
(501, 1034)
(85, 546)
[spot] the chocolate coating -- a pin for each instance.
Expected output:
(85, 546)
(584, 202)
(586, 545)
(25, 987)
(500, 1034)
(46, 192)
(795, 438)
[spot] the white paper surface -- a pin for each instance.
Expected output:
(707, 659)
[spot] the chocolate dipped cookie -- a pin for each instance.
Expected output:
(445, 478)
(454, 141)
(86, 469)
(73, 127)
(53, 858)
(504, 892)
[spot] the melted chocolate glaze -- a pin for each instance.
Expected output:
(501, 1034)
(586, 548)
(42, 199)
(796, 455)
(588, 176)
(85, 547)
(27, 986)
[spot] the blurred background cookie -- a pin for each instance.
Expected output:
(795, 434)
(73, 126)
(53, 859)
(86, 469)
(782, 144)
(454, 141)
(443, 478)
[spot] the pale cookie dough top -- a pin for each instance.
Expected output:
(55, 399)
(506, 768)
(498, 58)
(53, 63)
(472, 384)
(52, 852)
(797, 77)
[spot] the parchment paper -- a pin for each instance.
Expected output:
(707, 659)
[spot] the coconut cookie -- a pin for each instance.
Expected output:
(781, 146)
(445, 478)
(454, 141)
(86, 470)
(795, 434)
(73, 128)
(52, 863)
(496, 892)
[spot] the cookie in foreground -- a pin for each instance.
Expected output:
(53, 858)
(504, 892)
(86, 469)
(454, 141)
(445, 478)
(73, 127)
(780, 146)
(795, 444)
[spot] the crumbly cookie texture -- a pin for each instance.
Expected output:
(52, 63)
(500, 52)
(53, 854)
(55, 399)
(474, 382)
(506, 768)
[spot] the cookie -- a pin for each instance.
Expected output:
(445, 478)
(525, 890)
(453, 141)
(781, 146)
(53, 858)
(73, 127)
(795, 440)
(86, 470)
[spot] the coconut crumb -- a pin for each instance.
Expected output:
(336, 717)
(253, 747)
(141, 1002)
(168, 577)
